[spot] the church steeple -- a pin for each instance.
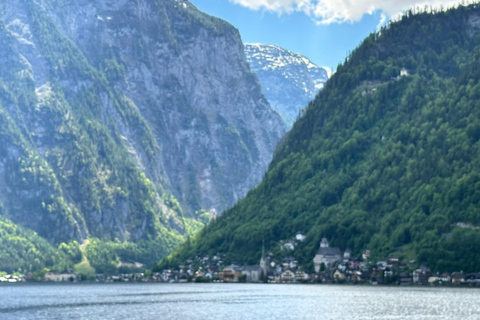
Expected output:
(324, 243)
(263, 260)
(263, 249)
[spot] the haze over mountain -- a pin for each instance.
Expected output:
(289, 80)
(385, 159)
(123, 121)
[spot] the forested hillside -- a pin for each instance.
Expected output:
(22, 250)
(382, 159)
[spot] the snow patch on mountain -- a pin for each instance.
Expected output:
(289, 80)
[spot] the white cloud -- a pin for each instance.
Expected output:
(339, 11)
(383, 20)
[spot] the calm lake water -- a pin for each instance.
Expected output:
(234, 301)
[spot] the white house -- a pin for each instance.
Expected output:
(288, 276)
(57, 277)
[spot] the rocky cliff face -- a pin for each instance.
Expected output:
(188, 76)
(289, 80)
(113, 110)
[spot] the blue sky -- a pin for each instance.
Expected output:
(324, 36)
(325, 45)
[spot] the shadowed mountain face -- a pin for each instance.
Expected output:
(289, 80)
(124, 119)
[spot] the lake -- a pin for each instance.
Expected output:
(234, 301)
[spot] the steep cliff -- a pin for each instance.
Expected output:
(124, 119)
(187, 74)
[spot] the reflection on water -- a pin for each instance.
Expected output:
(234, 301)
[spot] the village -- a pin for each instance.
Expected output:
(331, 266)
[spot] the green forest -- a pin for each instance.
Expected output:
(377, 161)
(23, 250)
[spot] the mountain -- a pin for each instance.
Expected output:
(384, 159)
(289, 80)
(125, 121)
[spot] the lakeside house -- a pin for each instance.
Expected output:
(60, 277)
(421, 275)
(252, 273)
(230, 274)
(302, 276)
(12, 278)
(287, 276)
(339, 276)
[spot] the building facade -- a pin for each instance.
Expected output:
(326, 255)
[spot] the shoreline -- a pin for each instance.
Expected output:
(78, 283)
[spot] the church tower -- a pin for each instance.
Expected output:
(324, 243)
(263, 261)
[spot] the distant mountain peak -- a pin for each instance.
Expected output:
(289, 80)
(280, 57)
